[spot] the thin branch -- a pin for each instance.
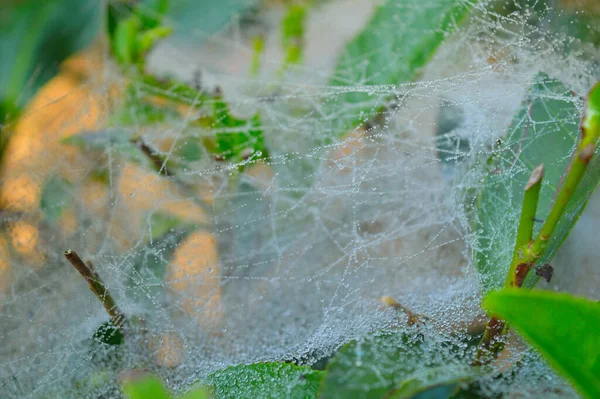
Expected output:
(100, 290)
(413, 318)
(157, 161)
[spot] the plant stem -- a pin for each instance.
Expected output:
(100, 290)
(157, 161)
(527, 252)
(412, 317)
(490, 345)
(525, 231)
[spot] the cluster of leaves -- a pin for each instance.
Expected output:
(404, 364)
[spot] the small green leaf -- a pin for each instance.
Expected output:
(266, 380)
(56, 196)
(564, 328)
(149, 38)
(145, 387)
(237, 139)
(394, 364)
(108, 334)
(125, 40)
(545, 130)
(292, 28)
(150, 12)
(400, 38)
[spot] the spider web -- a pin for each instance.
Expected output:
(286, 260)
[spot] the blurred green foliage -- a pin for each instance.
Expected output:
(35, 37)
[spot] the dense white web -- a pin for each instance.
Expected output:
(288, 259)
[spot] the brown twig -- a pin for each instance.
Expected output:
(413, 318)
(158, 163)
(100, 290)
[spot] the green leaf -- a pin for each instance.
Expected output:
(564, 328)
(400, 38)
(145, 387)
(125, 40)
(148, 38)
(35, 37)
(108, 334)
(545, 130)
(266, 380)
(395, 364)
(237, 139)
(151, 12)
(56, 196)
(292, 27)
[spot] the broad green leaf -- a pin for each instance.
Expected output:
(56, 196)
(545, 130)
(145, 387)
(395, 364)
(35, 37)
(564, 328)
(266, 380)
(400, 38)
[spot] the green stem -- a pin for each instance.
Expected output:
(490, 345)
(525, 230)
